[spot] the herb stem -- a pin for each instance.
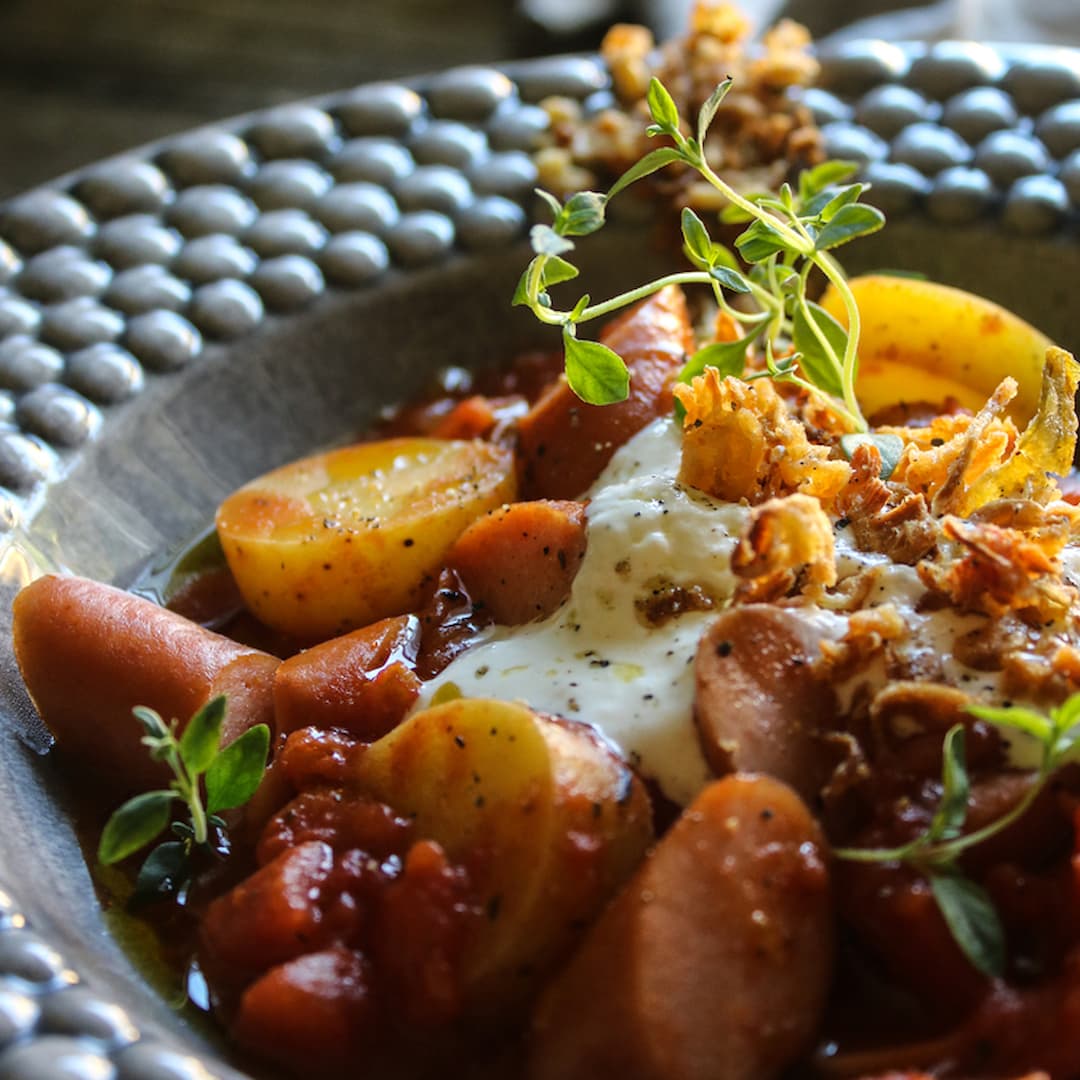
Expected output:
(798, 243)
(187, 788)
(850, 365)
(951, 849)
(921, 853)
(553, 317)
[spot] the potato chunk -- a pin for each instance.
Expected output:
(547, 819)
(944, 341)
(341, 539)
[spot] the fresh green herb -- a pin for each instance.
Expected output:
(967, 909)
(789, 234)
(889, 446)
(196, 758)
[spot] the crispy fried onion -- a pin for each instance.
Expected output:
(885, 517)
(868, 633)
(940, 461)
(992, 569)
(741, 442)
(962, 463)
(787, 544)
(907, 709)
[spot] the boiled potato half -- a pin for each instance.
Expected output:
(924, 341)
(341, 539)
(548, 819)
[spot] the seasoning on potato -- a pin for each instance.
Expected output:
(341, 539)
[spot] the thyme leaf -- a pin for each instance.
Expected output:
(967, 909)
(789, 233)
(195, 758)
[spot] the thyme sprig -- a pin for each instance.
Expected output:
(789, 234)
(197, 760)
(966, 907)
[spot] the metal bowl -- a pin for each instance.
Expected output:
(175, 321)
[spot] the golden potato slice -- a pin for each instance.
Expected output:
(341, 539)
(547, 818)
(922, 341)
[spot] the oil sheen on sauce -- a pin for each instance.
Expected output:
(601, 659)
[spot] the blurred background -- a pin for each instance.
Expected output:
(82, 79)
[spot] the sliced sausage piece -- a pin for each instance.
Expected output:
(89, 653)
(713, 963)
(758, 705)
(564, 443)
(362, 682)
(519, 561)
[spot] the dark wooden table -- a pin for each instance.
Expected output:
(83, 79)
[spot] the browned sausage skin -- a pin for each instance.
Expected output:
(363, 682)
(520, 560)
(89, 652)
(713, 963)
(564, 444)
(758, 705)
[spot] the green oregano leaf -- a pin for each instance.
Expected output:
(729, 279)
(555, 270)
(844, 196)
(847, 223)
(202, 736)
(151, 722)
(595, 373)
(1025, 720)
(662, 106)
(889, 446)
(553, 203)
(952, 809)
(708, 110)
(521, 290)
(578, 309)
(650, 163)
(728, 357)
(583, 214)
(972, 920)
(696, 238)
(821, 368)
(1067, 715)
(134, 825)
(815, 180)
(165, 873)
(237, 770)
(760, 241)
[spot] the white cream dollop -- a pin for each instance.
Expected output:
(597, 659)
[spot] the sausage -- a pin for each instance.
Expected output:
(758, 705)
(362, 682)
(713, 963)
(564, 443)
(89, 653)
(519, 561)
